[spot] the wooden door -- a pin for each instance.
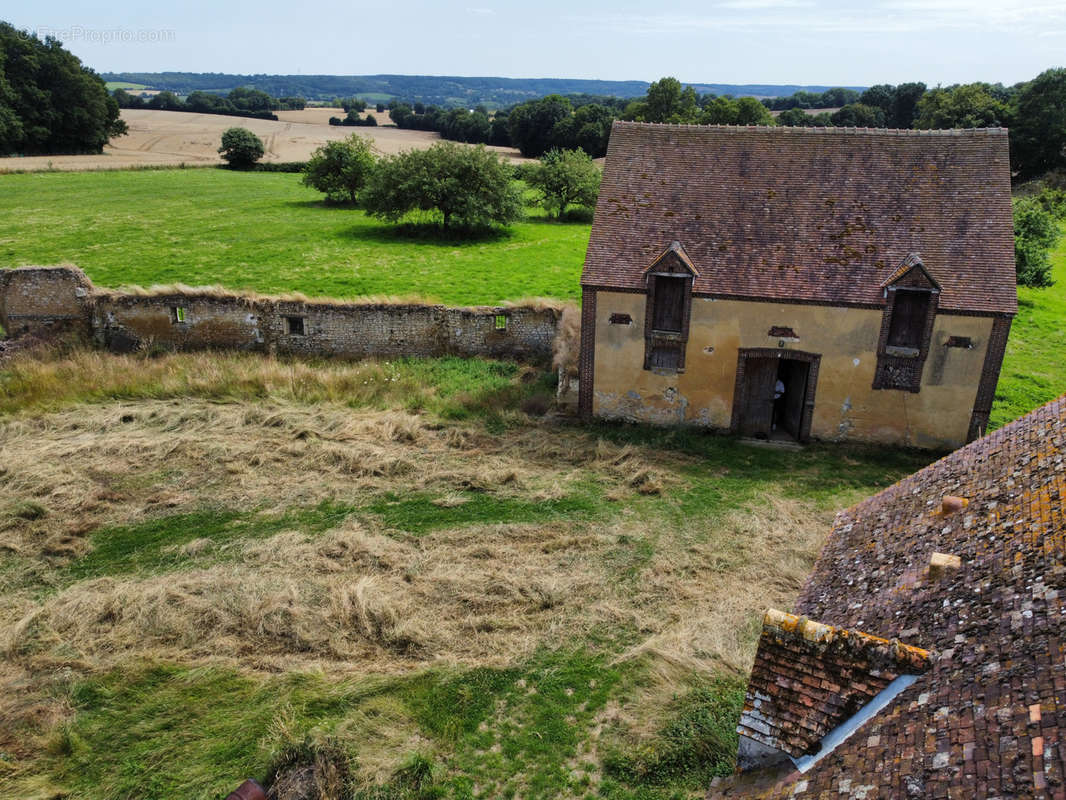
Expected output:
(756, 415)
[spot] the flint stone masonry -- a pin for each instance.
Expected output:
(43, 300)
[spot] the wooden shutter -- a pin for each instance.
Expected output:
(669, 312)
(909, 313)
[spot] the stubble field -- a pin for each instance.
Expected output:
(170, 138)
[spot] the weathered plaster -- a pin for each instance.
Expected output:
(846, 405)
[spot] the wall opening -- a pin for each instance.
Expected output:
(294, 326)
(774, 394)
(501, 322)
(177, 314)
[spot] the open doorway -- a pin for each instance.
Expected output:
(774, 396)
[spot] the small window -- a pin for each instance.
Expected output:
(177, 314)
(965, 342)
(501, 322)
(620, 319)
(294, 326)
(668, 314)
(909, 314)
(665, 355)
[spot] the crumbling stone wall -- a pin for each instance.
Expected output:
(190, 319)
(47, 302)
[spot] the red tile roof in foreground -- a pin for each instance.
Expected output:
(809, 678)
(988, 719)
(816, 214)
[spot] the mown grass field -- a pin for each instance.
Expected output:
(221, 566)
(267, 232)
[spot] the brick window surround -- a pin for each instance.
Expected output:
(902, 348)
(666, 327)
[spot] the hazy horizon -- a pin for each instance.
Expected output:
(806, 42)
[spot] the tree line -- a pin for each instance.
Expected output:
(240, 102)
(50, 102)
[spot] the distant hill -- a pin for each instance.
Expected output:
(438, 90)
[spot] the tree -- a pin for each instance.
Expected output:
(908, 95)
(798, 118)
(469, 186)
(49, 102)
(563, 178)
(727, 111)
(1038, 137)
(530, 124)
(972, 105)
(589, 128)
(858, 115)
(1035, 233)
(666, 101)
(340, 169)
(166, 101)
(241, 148)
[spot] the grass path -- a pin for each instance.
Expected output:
(266, 232)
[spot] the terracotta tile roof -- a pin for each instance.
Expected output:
(988, 719)
(822, 214)
(809, 678)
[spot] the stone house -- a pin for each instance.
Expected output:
(800, 282)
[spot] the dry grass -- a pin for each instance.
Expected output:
(177, 137)
(567, 343)
(362, 595)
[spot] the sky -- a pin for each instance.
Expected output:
(811, 42)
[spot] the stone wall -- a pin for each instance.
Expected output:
(40, 299)
(45, 301)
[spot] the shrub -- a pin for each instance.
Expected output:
(469, 186)
(563, 178)
(1035, 233)
(241, 148)
(340, 169)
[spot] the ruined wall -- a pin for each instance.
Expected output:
(846, 406)
(45, 301)
(189, 319)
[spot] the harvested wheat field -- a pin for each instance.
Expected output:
(169, 138)
(388, 579)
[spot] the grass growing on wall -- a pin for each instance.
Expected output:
(268, 233)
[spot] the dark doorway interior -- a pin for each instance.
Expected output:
(788, 407)
(775, 396)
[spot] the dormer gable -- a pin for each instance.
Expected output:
(672, 261)
(911, 274)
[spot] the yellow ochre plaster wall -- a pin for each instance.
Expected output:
(845, 404)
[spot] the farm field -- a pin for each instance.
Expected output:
(160, 138)
(267, 232)
(220, 566)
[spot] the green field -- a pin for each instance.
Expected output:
(112, 85)
(267, 232)
(1034, 370)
